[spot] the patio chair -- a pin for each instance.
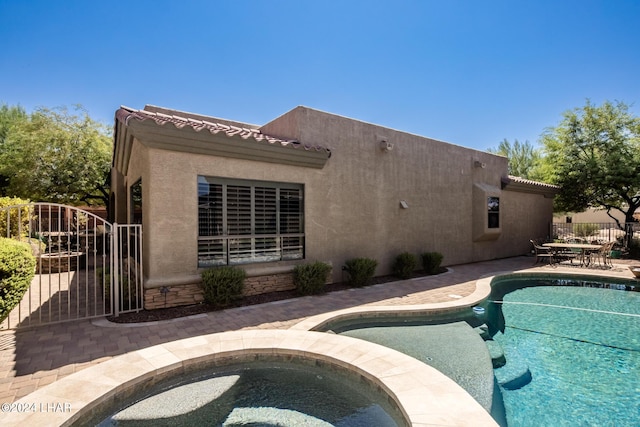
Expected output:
(542, 252)
(604, 254)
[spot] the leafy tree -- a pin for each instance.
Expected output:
(594, 155)
(54, 155)
(523, 158)
(10, 117)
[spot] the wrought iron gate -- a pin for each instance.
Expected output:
(85, 266)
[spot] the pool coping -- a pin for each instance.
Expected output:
(320, 321)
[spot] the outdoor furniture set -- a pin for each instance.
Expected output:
(585, 254)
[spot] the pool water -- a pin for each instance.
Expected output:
(581, 346)
(257, 394)
(565, 352)
(454, 348)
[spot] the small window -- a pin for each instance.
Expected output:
(493, 205)
(136, 203)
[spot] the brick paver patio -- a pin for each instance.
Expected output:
(34, 357)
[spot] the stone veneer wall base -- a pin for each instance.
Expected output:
(270, 283)
(172, 296)
(177, 295)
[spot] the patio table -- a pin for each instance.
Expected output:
(585, 250)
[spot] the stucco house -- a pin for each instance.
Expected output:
(307, 186)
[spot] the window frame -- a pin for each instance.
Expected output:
(493, 212)
(255, 222)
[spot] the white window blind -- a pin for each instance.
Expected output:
(242, 221)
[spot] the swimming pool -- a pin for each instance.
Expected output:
(572, 351)
(564, 349)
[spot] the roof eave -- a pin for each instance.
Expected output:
(209, 141)
(527, 186)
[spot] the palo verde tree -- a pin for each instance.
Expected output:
(523, 158)
(54, 155)
(594, 156)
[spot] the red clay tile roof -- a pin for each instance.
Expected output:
(125, 115)
(516, 179)
(516, 183)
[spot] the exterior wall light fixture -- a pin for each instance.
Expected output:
(404, 204)
(385, 145)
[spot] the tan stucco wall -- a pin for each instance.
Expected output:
(590, 215)
(352, 205)
(364, 186)
(526, 216)
(355, 208)
(137, 168)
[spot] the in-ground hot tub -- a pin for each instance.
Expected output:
(291, 393)
(413, 390)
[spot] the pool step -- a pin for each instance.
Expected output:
(497, 354)
(513, 375)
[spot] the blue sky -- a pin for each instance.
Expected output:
(467, 72)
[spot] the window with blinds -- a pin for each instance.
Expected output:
(242, 221)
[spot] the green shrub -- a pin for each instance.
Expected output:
(585, 229)
(14, 214)
(17, 268)
(311, 278)
(431, 262)
(360, 270)
(404, 265)
(223, 285)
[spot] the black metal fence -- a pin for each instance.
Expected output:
(597, 232)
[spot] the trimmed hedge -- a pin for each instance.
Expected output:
(404, 265)
(22, 213)
(360, 271)
(431, 262)
(17, 268)
(311, 278)
(223, 285)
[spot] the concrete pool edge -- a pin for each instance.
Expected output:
(423, 395)
(481, 292)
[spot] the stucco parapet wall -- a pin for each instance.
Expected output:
(522, 185)
(423, 395)
(217, 139)
(294, 117)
